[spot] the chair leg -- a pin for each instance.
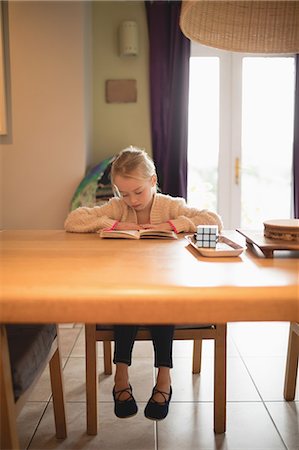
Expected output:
(58, 393)
(197, 346)
(9, 436)
(107, 357)
(292, 363)
(220, 379)
(91, 380)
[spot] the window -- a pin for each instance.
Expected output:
(241, 116)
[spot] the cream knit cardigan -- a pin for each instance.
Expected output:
(164, 208)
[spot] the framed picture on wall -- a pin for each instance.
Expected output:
(3, 118)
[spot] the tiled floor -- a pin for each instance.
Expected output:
(258, 418)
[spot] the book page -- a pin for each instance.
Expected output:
(135, 234)
(120, 234)
(158, 234)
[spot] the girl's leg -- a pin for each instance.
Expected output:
(162, 336)
(124, 337)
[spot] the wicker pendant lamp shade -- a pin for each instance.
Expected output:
(243, 26)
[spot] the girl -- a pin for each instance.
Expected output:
(137, 205)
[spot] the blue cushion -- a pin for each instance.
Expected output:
(29, 346)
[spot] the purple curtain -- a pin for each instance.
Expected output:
(169, 87)
(296, 144)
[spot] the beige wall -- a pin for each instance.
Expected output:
(61, 54)
(44, 155)
(118, 125)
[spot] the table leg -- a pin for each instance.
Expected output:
(91, 380)
(220, 380)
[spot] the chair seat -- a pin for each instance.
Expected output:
(29, 345)
(203, 326)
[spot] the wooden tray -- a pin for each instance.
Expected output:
(266, 245)
(224, 247)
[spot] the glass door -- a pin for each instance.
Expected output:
(241, 116)
(268, 86)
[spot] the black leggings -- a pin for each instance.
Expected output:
(162, 336)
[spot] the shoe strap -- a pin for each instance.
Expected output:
(156, 391)
(128, 390)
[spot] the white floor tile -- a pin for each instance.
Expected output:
(141, 377)
(190, 426)
(68, 338)
(135, 433)
(28, 421)
(200, 387)
(286, 418)
(42, 390)
(260, 338)
(268, 375)
(182, 349)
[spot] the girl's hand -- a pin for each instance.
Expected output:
(127, 226)
(162, 226)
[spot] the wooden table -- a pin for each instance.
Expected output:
(54, 276)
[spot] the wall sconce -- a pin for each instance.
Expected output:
(128, 38)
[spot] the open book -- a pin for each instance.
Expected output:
(138, 234)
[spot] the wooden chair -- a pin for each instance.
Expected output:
(292, 362)
(95, 333)
(25, 352)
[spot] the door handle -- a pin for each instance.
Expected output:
(237, 171)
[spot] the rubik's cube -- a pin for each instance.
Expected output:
(206, 236)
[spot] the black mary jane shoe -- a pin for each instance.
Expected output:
(155, 410)
(124, 408)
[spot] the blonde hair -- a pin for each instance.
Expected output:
(132, 162)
